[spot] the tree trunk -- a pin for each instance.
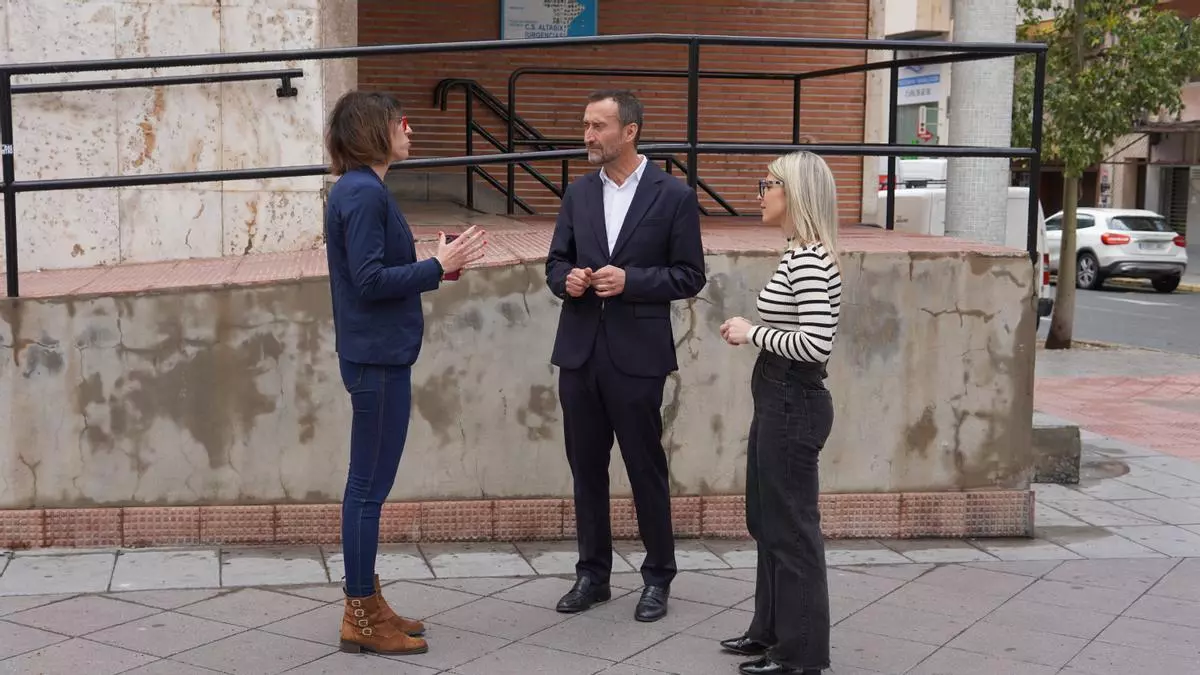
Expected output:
(1062, 322)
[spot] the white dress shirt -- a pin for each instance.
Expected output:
(617, 199)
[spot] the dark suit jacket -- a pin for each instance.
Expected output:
(660, 250)
(374, 277)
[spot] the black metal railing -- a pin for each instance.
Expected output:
(944, 52)
(529, 136)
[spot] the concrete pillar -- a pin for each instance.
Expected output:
(980, 114)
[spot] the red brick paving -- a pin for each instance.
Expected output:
(1160, 413)
(510, 241)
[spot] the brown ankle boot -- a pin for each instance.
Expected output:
(407, 626)
(365, 629)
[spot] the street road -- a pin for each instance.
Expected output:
(1139, 318)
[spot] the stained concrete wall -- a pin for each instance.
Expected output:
(233, 395)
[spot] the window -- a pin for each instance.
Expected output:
(1054, 224)
(1084, 222)
(1139, 224)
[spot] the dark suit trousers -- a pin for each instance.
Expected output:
(597, 401)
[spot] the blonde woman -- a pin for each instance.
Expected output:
(793, 415)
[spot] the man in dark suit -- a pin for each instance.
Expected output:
(626, 243)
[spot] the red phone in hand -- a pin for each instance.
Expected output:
(451, 276)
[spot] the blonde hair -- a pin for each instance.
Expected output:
(811, 191)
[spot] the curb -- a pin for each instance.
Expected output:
(1138, 283)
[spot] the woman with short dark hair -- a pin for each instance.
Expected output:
(376, 284)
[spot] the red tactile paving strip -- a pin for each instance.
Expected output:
(994, 513)
(510, 241)
(1160, 413)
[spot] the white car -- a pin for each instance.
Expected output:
(1129, 243)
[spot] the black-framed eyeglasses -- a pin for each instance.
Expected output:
(764, 185)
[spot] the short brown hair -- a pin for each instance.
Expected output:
(360, 130)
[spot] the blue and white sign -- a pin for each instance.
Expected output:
(535, 19)
(920, 84)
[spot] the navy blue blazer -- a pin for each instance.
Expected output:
(660, 249)
(374, 277)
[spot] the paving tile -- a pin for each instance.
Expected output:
(727, 624)
(359, 664)
(254, 653)
(321, 592)
(1038, 616)
(392, 562)
(272, 566)
(319, 625)
(681, 614)
(957, 662)
(1026, 549)
(736, 554)
(476, 560)
(625, 669)
(743, 573)
(1053, 493)
(1167, 539)
(711, 590)
(522, 659)
(12, 604)
(974, 581)
(1181, 583)
(875, 652)
(598, 638)
(15, 639)
(860, 586)
(152, 570)
(1160, 483)
(481, 586)
(164, 634)
(1078, 596)
(1137, 574)
(560, 557)
(1103, 514)
(689, 555)
(66, 658)
(970, 606)
(856, 552)
(544, 592)
(1097, 542)
(250, 607)
(1153, 635)
(1167, 610)
(1100, 658)
(840, 607)
(1169, 511)
(1048, 516)
(1018, 644)
(81, 615)
(1111, 490)
(450, 647)
(1025, 568)
(169, 667)
(38, 575)
(421, 602)
(905, 572)
(687, 654)
(498, 618)
(166, 599)
(906, 624)
(938, 551)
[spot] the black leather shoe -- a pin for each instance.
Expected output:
(583, 595)
(653, 604)
(766, 666)
(744, 646)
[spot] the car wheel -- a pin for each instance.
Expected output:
(1087, 272)
(1165, 284)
